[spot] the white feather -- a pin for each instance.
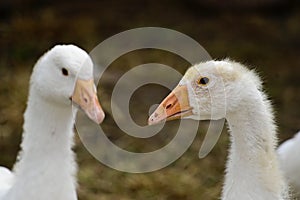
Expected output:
(290, 162)
(46, 167)
(6, 180)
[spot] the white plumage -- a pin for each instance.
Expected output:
(226, 89)
(6, 182)
(290, 162)
(46, 168)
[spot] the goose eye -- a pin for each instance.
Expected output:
(64, 71)
(203, 81)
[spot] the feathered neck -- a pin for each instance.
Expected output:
(252, 168)
(46, 168)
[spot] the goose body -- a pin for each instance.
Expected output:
(46, 167)
(290, 162)
(252, 171)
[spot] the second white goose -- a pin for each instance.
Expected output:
(46, 168)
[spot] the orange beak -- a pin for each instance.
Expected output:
(85, 96)
(176, 105)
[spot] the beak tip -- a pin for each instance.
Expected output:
(150, 121)
(96, 114)
(155, 119)
(99, 119)
(102, 119)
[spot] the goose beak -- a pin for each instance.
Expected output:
(176, 105)
(85, 96)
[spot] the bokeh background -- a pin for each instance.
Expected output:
(263, 34)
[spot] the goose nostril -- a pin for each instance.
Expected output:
(169, 106)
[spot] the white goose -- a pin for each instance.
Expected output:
(290, 162)
(252, 169)
(46, 168)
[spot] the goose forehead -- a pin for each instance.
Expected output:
(74, 59)
(191, 73)
(211, 66)
(86, 70)
(214, 68)
(220, 62)
(203, 69)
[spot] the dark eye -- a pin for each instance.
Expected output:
(203, 81)
(64, 71)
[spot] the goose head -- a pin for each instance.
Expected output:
(64, 75)
(208, 91)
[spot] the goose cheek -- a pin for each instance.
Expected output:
(85, 97)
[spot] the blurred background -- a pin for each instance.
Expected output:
(263, 34)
